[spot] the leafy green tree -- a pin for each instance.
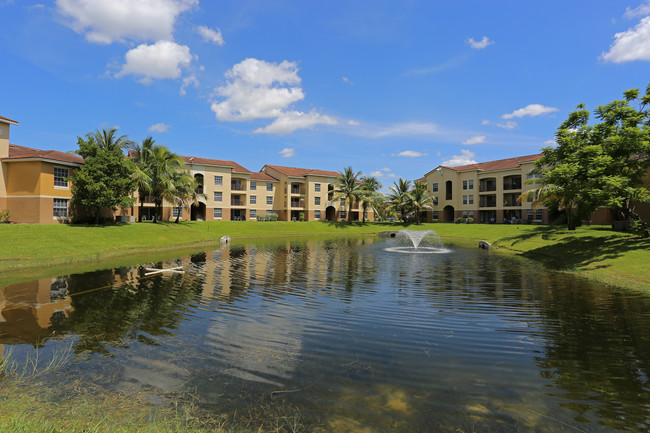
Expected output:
(370, 187)
(601, 164)
(398, 196)
(348, 187)
(184, 191)
(141, 155)
(105, 180)
(419, 198)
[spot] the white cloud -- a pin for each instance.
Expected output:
(163, 59)
(189, 81)
(477, 139)
(263, 90)
(531, 110)
(383, 172)
(466, 157)
(105, 22)
(291, 121)
(507, 125)
(411, 154)
(406, 128)
(479, 45)
(288, 152)
(630, 45)
(485, 122)
(550, 143)
(210, 35)
(353, 123)
(159, 127)
(641, 11)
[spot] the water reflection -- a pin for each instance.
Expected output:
(356, 337)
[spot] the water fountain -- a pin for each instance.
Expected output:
(418, 242)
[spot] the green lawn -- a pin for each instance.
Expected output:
(33, 250)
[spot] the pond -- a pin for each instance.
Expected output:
(350, 335)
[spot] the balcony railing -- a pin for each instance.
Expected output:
(237, 202)
(297, 203)
(514, 185)
(300, 191)
(488, 203)
(483, 188)
(237, 187)
(199, 190)
(148, 199)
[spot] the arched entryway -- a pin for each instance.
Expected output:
(330, 213)
(197, 212)
(449, 214)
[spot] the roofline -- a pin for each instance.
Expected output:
(486, 171)
(8, 120)
(36, 158)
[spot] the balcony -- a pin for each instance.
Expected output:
(297, 191)
(237, 187)
(488, 201)
(487, 188)
(199, 190)
(297, 203)
(148, 199)
(512, 182)
(510, 200)
(237, 202)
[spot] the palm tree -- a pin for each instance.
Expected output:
(107, 140)
(184, 191)
(419, 198)
(348, 187)
(398, 196)
(141, 155)
(369, 187)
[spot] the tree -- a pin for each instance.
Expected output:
(105, 180)
(141, 156)
(184, 191)
(601, 164)
(370, 187)
(419, 198)
(348, 187)
(398, 196)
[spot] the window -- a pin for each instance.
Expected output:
(538, 214)
(470, 199)
(253, 214)
(253, 185)
(435, 214)
(434, 187)
(60, 175)
(343, 214)
(470, 184)
(317, 214)
(269, 186)
(532, 175)
(218, 196)
(435, 201)
(177, 212)
(365, 214)
(217, 212)
(317, 201)
(342, 201)
(253, 199)
(464, 214)
(269, 199)
(218, 180)
(470, 214)
(60, 208)
(529, 214)
(317, 187)
(464, 199)
(464, 184)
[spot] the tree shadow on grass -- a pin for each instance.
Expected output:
(575, 252)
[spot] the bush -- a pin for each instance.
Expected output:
(460, 220)
(640, 228)
(4, 216)
(267, 217)
(469, 220)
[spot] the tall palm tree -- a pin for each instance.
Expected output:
(142, 155)
(348, 187)
(419, 198)
(370, 187)
(106, 139)
(184, 191)
(398, 196)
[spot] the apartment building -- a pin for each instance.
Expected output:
(33, 185)
(486, 192)
(309, 192)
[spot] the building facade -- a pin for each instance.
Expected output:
(33, 182)
(486, 192)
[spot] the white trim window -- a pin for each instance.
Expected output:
(316, 214)
(269, 199)
(177, 212)
(470, 184)
(218, 181)
(60, 177)
(253, 199)
(217, 212)
(317, 187)
(269, 186)
(316, 201)
(470, 198)
(253, 185)
(435, 214)
(218, 196)
(464, 199)
(434, 187)
(253, 214)
(60, 208)
(344, 214)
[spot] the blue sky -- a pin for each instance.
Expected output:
(392, 88)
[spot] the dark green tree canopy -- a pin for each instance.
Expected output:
(105, 180)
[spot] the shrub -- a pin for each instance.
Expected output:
(460, 220)
(4, 216)
(267, 217)
(301, 216)
(640, 228)
(469, 220)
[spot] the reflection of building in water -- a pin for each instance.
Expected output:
(28, 310)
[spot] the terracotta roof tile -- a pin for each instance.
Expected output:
(499, 164)
(6, 119)
(263, 176)
(220, 162)
(302, 172)
(20, 152)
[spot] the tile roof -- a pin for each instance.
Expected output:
(262, 176)
(499, 164)
(422, 179)
(20, 152)
(6, 119)
(302, 172)
(220, 162)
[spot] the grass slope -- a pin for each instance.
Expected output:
(595, 252)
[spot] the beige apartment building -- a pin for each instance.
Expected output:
(486, 192)
(309, 192)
